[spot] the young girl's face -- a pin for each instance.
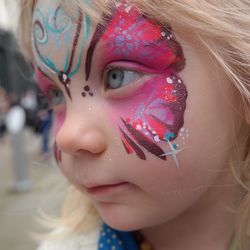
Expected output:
(143, 118)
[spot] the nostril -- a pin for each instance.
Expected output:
(94, 142)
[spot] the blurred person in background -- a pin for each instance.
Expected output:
(44, 124)
(15, 123)
(3, 110)
(29, 103)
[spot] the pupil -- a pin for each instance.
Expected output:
(115, 78)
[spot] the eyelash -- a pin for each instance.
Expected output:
(137, 72)
(120, 74)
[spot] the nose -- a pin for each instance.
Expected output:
(79, 135)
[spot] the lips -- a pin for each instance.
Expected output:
(105, 189)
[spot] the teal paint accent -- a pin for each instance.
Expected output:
(50, 64)
(87, 20)
(54, 29)
(54, 32)
(169, 136)
(40, 41)
(74, 72)
(67, 62)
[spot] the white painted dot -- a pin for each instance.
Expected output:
(64, 76)
(163, 34)
(138, 127)
(128, 9)
(169, 80)
(114, 236)
(157, 138)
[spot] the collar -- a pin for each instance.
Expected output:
(116, 240)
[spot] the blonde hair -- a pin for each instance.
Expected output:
(224, 28)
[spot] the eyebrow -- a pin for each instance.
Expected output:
(100, 30)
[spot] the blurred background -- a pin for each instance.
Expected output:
(29, 178)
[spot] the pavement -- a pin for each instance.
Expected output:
(19, 210)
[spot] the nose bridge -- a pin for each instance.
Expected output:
(81, 131)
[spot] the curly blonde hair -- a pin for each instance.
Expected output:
(223, 27)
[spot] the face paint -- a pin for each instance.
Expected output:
(54, 29)
(133, 37)
(157, 116)
(54, 97)
(87, 91)
(153, 115)
(44, 81)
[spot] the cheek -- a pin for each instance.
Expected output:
(152, 117)
(58, 119)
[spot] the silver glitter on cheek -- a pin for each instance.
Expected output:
(184, 134)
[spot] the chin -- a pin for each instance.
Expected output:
(120, 218)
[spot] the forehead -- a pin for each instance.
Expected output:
(60, 41)
(58, 37)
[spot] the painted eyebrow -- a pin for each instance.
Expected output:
(100, 30)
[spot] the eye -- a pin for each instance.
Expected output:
(55, 97)
(117, 78)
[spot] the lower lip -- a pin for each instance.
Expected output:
(106, 189)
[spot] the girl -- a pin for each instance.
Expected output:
(152, 120)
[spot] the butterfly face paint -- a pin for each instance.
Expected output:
(150, 118)
(59, 40)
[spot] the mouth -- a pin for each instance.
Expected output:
(106, 189)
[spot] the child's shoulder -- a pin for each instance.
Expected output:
(77, 241)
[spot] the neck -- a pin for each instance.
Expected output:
(209, 224)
